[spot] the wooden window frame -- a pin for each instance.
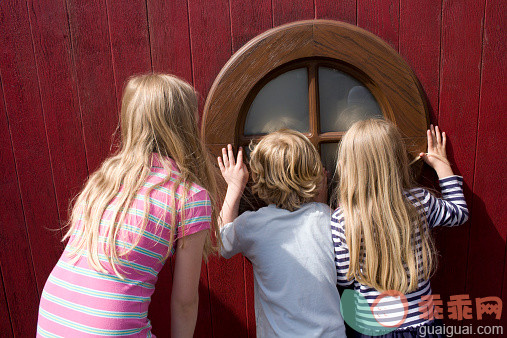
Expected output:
(347, 48)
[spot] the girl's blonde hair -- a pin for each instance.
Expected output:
(286, 169)
(381, 224)
(158, 115)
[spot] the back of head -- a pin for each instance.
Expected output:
(286, 169)
(374, 173)
(158, 115)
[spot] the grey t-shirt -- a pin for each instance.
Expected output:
(294, 270)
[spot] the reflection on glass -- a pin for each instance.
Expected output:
(328, 154)
(281, 103)
(343, 101)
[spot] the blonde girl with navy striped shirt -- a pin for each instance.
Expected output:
(381, 229)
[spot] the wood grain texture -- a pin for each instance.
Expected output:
(392, 81)
(18, 277)
(488, 227)
(381, 18)
(343, 10)
(458, 111)
(29, 142)
(170, 37)
(210, 29)
(419, 45)
(260, 55)
(285, 11)
(248, 19)
(52, 45)
(395, 85)
(95, 79)
(130, 39)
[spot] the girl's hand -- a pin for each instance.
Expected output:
(234, 172)
(436, 156)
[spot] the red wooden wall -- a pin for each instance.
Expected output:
(62, 67)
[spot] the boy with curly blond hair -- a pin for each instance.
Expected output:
(288, 241)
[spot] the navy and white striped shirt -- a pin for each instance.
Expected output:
(450, 210)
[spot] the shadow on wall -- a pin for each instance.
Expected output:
(470, 259)
(161, 301)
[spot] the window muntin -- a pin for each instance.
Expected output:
(281, 103)
(314, 96)
(343, 100)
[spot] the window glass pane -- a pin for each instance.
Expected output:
(328, 154)
(281, 103)
(343, 101)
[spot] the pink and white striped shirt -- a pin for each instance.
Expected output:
(78, 301)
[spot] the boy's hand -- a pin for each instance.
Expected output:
(234, 172)
(436, 156)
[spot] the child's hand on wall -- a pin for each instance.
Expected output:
(436, 157)
(234, 172)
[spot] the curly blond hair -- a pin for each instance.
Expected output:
(286, 169)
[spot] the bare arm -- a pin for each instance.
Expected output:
(235, 174)
(185, 296)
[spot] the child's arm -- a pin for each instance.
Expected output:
(185, 296)
(235, 174)
(436, 156)
(451, 209)
(341, 250)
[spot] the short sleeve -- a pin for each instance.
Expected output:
(194, 215)
(231, 237)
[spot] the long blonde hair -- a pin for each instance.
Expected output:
(286, 169)
(158, 115)
(381, 224)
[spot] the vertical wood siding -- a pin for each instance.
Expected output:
(63, 64)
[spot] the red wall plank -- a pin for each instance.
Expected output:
(285, 11)
(488, 228)
(30, 147)
(343, 10)
(382, 18)
(170, 38)
(419, 45)
(258, 16)
(170, 53)
(15, 251)
(210, 33)
(458, 111)
(52, 45)
(5, 319)
(130, 42)
(259, 13)
(95, 79)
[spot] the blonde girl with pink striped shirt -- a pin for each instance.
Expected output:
(152, 198)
